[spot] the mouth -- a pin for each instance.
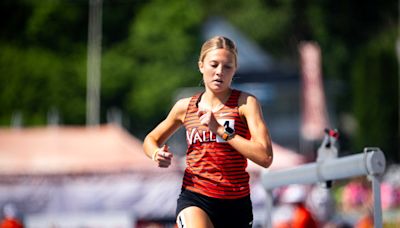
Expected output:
(218, 81)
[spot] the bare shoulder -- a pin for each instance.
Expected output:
(180, 107)
(182, 104)
(247, 100)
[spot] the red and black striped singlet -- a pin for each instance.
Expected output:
(214, 168)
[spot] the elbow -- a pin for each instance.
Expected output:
(267, 161)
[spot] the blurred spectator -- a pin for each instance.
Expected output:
(388, 196)
(357, 195)
(321, 204)
(295, 196)
(282, 216)
(10, 219)
(367, 221)
(390, 187)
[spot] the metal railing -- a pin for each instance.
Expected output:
(371, 163)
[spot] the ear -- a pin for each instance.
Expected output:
(200, 63)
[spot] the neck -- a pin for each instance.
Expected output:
(211, 100)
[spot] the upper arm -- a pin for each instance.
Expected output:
(171, 123)
(250, 108)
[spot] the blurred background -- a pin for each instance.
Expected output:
(83, 81)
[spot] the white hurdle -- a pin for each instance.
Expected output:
(371, 162)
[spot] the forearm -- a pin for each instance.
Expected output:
(150, 145)
(160, 134)
(158, 137)
(259, 153)
(256, 152)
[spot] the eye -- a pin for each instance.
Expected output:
(214, 65)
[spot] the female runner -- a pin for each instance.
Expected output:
(224, 128)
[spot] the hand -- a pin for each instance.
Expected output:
(207, 118)
(163, 157)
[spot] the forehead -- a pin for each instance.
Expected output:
(220, 54)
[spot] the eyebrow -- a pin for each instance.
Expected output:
(227, 63)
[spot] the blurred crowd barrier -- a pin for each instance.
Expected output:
(349, 203)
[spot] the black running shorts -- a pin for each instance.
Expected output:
(222, 212)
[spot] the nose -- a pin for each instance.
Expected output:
(219, 70)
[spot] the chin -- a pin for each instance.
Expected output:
(217, 88)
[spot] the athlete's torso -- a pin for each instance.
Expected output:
(214, 168)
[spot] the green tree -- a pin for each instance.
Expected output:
(150, 48)
(41, 64)
(156, 58)
(376, 95)
(37, 81)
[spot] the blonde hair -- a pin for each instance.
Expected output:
(218, 42)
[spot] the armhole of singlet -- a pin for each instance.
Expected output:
(242, 118)
(196, 96)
